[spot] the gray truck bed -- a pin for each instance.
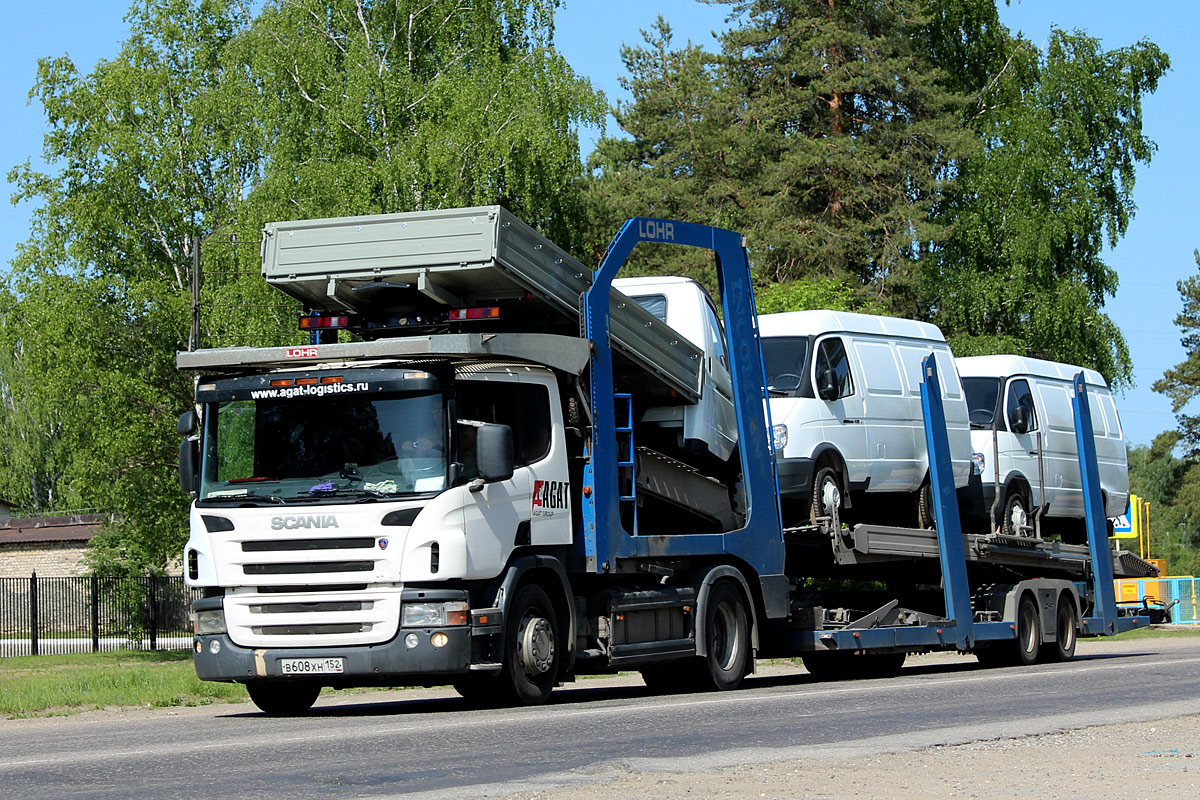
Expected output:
(462, 257)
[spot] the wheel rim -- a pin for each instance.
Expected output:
(537, 646)
(723, 637)
(831, 498)
(1018, 517)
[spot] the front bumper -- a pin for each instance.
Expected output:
(795, 477)
(363, 664)
(409, 657)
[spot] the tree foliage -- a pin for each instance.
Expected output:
(208, 123)
(1031, 215)
(915, 150)
(1181, 383)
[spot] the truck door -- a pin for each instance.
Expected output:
(842, 411)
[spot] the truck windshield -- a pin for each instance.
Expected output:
(785, 359)
(982, 394)
(301, 449)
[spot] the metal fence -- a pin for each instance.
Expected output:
(1186, 590)
(91, 613)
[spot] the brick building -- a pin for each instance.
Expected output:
(50, 546)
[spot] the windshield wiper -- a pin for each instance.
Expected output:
(232, 498)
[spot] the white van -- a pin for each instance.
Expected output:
(686, 307)
(845, 398)
(1025, 404)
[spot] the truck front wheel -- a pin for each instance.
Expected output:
(532, 650)
(283, 698)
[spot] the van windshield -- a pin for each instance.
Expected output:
(786, 361)
(982, 397)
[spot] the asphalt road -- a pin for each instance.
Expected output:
(428, 743)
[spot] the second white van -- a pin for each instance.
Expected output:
(845, 400)
(1021, 413)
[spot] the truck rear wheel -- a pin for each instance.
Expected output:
(1022, 651)
(1064, 629)
(283, 698)
(727, 637)
(531, 648)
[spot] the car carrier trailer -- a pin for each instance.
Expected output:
(519, 556)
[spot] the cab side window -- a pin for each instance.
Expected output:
(831, 355)
(524, 407)
(1019, 396)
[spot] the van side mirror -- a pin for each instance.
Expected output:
(1020, 420)
(827, 385)
(494, 452)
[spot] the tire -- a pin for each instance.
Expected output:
(1024, 650)
(727, 638)
(532, 649)
(284, 698)
(827, 498)
(1066, 635)
(1029, 635)
(925, 515)
(1014, 514)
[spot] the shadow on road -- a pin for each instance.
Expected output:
(581, 693)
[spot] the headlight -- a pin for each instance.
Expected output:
(206, 623)
(779, 437)
(977, 463)
(434, 615)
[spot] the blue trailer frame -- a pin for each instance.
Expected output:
(759, 544)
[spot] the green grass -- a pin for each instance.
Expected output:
(1151, 633)
(51, 685)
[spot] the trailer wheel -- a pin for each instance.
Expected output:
(827, 498)
(531, 648)
(1014, 519)
(1029, 637)
(283, 698)
(727, 635)
(1064, 628)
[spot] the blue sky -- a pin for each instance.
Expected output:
(1156, 252)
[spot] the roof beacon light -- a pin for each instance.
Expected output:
(487, 312)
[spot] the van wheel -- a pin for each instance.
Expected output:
(1014, 516)
(827, 498)
(925, 512)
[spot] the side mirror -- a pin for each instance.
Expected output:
(188, 423)
(827, 385)
(189, 466)
(494, 452)
(1020, 420)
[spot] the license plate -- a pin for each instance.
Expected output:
(312, 666)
